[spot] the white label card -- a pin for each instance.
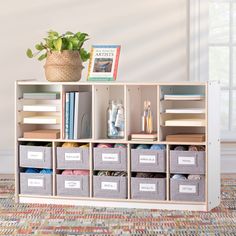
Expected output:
(147, 187)
(72, 156)
(187, 188)
(109, 186)
(186, 160)
(110, 157)
(72, 184)
(35, 182)
(147, 159)
(35, 155)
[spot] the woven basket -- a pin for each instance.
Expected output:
(65, 66)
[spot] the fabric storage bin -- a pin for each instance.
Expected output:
(110, 159)
(187, 190)
(187, 162)
(146, 160)
(35, 156)
(73, 185)
(110, 187)
(39, 184)
(148, 188)
(73, 158)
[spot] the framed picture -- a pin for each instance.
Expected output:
(103, 62)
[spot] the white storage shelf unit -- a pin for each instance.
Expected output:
(132, 96)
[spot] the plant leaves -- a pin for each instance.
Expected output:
(70, 46)
(74, 42)
(78, 34)
(39, 47)
(69, 33)
(29, 53)
(58, 44)
(52, 34)
(84, 55)
(82, 37)
(43, 56)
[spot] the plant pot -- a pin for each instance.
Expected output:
(65, 66)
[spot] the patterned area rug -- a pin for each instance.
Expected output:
(27, 219)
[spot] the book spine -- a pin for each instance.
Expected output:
(67, 105)
(90, 63)
(63, 114)
(71, 115)
(76, 111)
(116, 62)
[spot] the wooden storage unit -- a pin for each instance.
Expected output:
(132, 96)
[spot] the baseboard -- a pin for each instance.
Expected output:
(228, 160)
(6, 161)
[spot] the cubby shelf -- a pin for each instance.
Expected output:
(132, 96)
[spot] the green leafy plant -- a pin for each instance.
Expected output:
(56, 42)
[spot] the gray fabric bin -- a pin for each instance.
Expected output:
(148, 188)
(73, 185)
(39, 184)
(73, 158)
(187, 190)
(110, 187)
(35, 156)
(187, 162)
(110, 159)
(145, 160)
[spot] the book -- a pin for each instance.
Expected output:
(71, 114)
(82, 115)
(42, 134)
(41, 108)
(144, 139)
(185, 122)
(185, 138)
(66, 115)
(184, 97)
(144, 136)
(76, 111)
(42, 95)
(186, 111)
(41, 120)
(63, 114)
(103, 64)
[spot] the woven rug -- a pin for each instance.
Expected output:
(36, 219)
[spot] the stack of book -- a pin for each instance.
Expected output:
(144, 137)
(77, 107)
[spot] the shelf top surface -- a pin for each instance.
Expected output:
(43, 82)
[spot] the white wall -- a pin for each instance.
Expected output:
(153, 36)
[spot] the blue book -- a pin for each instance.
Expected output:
(71, 115)
(67, 106)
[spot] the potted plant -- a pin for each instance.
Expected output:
(64, 55)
